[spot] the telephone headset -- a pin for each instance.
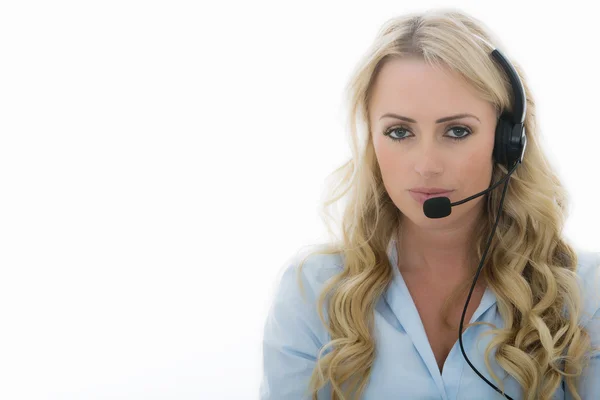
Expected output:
(509, 147)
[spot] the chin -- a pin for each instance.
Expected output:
(414, 213)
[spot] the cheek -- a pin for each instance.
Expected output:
(393, 166)
(476, 169)
(394, 169)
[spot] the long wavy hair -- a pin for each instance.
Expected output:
(530, 267)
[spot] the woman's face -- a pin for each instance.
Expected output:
(454, 154)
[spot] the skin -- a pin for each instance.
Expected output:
(438, 250)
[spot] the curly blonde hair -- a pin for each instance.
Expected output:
(530, 267)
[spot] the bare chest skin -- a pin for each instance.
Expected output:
(429, 300)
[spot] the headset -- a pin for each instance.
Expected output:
(509, 147)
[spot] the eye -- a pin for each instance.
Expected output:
(463, 132)
(395, 129)
(466, 132)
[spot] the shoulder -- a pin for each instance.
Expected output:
(293, 318)
(588, 275)
(306, 273)
(588, 263)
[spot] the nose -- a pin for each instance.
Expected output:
(428, 159)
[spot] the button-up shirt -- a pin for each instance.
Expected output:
(405, 366)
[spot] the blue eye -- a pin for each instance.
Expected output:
(466, 132)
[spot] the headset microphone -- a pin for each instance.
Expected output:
(440, 207)
(509, 147)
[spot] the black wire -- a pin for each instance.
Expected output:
(475, 281)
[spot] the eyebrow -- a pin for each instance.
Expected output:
(439, 121)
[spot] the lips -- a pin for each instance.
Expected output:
(422, 197)
(430, 190)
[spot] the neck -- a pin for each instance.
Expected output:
(443, 253)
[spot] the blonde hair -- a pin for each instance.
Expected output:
(530, 267)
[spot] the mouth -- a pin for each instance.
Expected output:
(422, 197)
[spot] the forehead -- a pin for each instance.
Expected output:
(412, 86)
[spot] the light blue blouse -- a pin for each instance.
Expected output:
(404, 366)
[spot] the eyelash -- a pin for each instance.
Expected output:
(393, 128)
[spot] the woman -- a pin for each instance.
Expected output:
(377, 314)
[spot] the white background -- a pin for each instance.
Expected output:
(161, 160)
